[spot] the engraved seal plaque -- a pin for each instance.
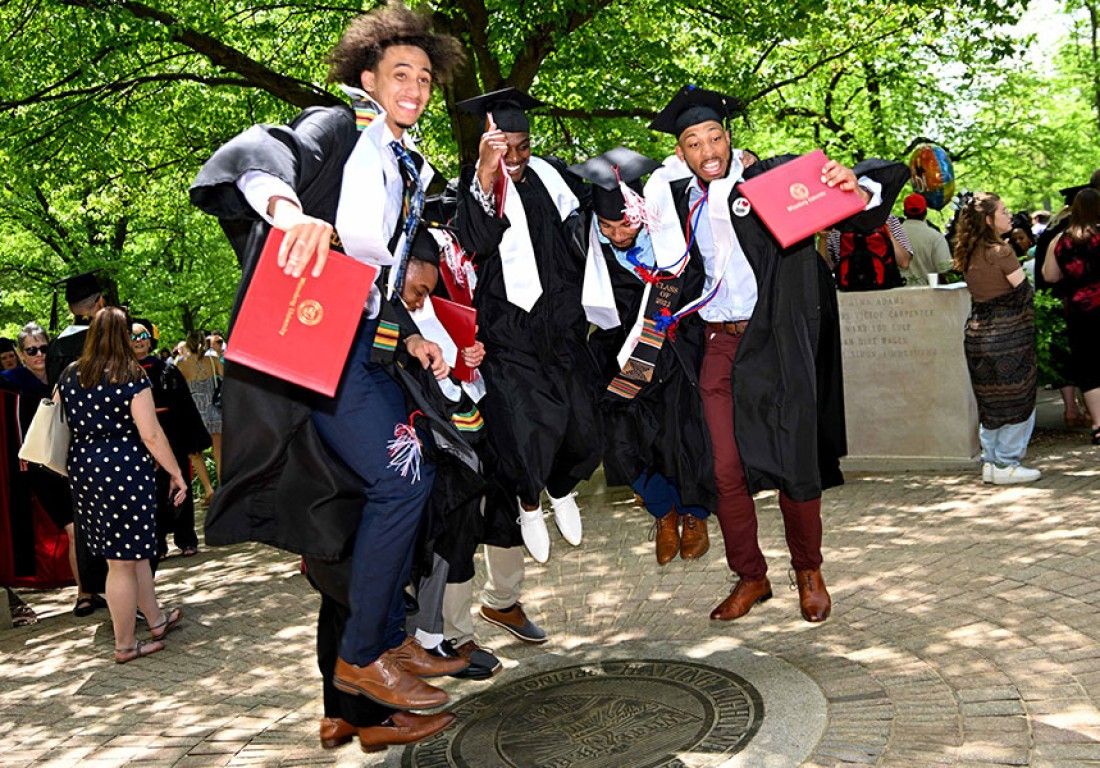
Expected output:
(612, 714)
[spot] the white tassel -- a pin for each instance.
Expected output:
(405, 451)
(636, 212)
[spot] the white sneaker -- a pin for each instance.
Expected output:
(987, 471)
(536, 538)
(568, 517)
(1015, 474)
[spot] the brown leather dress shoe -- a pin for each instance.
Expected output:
(402, 728)
(744, 596)
(694, 539)
(335, 732)
(667, 536)
(813, 598)
(412, 658)
(515, 621)
(385, 682)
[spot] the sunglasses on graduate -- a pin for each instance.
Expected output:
(139, 336)
(33, 351)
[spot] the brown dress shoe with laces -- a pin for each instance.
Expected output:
(744, 596)
(402, 728)
(813, 598)
(385, 682)
(694, 539)
(335, 732)
(412, 658)
(667, 536)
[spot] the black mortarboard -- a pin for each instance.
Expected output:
(508, 106)
(691, 106)
(6, 344)
(80, 287)
(605, 172)
(424, 247)
(893, 177)
(1069, 193)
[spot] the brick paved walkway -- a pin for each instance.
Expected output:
(964, 633)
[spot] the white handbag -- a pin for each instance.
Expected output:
(47, 438)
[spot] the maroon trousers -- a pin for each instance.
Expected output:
(736, 510)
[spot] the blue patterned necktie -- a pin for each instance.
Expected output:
(414, 205)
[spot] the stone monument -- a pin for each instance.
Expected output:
(907, 390)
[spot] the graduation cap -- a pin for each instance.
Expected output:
(1069, 193)
(77, 289)
(692, 105)
(424, 247)
(6, 344)
(606, 171)
(80, 287)
(508, 105)
(892, 176)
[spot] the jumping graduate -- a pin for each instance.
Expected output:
(355, 170)
(520, 219)
(656, 439)
(762, 305)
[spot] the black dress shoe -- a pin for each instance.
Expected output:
(482, 664)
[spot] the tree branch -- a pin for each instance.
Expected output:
(292, 90)
(119, 86)
(599, 114)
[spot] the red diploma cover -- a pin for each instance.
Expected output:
(794, 203)
(300, 329)
(460, 322)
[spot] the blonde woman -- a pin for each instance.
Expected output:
(204, 374)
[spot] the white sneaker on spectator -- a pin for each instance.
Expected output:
(536, 538)
(987, 471)
(1015, 474)
(568, 517)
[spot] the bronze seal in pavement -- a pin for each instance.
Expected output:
(612, 714)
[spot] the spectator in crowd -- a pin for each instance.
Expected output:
(204, 376)
(182, 425)
(8, 357)
(930, 252)
(1039, 221)
(1000, 338)
(116, 444)
(48, 488)
(1073, 265)
(215, 345)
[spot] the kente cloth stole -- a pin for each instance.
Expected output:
(639, 367)
(469, 421)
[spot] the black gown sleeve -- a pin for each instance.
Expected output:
(479, 233)
(294, 153)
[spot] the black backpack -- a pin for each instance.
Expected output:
(866, 262)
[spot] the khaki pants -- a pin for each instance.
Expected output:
(503, 588)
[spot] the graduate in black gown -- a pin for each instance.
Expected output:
(519, 219)
(324, 476)
(771, 375)
(656, 440)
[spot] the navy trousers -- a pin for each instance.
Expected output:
(662, 495)
(356, 425)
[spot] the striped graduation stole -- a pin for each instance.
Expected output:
(385, 341)
(639, 367)
(470, 421)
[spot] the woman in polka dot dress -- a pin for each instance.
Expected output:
(115, 440)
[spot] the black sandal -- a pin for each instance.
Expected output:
(171, 619)
(141, 648)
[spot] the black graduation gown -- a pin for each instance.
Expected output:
(662, 429)
(280, 485)
(64, 350)
(540, 407)
(787, 375)
(179, 418)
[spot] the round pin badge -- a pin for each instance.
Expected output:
(741, 207)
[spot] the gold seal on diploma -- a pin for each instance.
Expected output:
(799, 191)
(310, 312)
